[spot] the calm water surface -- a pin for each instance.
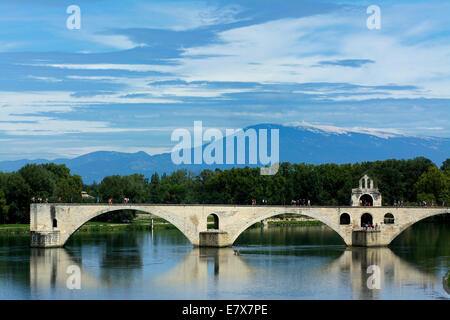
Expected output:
(275, 263)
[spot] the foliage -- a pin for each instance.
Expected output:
(134, 187)
(434, 185)
(45, 181)
(326, 184)
(4, 208)
(446, 166)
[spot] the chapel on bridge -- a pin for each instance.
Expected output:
(366, 194)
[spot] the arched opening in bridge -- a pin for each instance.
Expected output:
(288, 229)
(212, 221)
(389, 218)
(116, 216)
(431, 231)
(121, 220)
(366, 218)
(366, 200)
(344, 218)
(55, 223)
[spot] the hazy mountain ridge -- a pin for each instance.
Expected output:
(301, 143)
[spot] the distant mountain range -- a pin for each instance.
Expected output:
(298, 143)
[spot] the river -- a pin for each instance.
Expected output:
(274, 263)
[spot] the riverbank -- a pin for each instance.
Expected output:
(287, 223)
(92, 227)
(144, 222)
(291, 220)
(14, 228)
(136, 226)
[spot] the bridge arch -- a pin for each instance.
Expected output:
(332, 224)
(83, 218)
(404, 226)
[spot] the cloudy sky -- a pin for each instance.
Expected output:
(137, 70)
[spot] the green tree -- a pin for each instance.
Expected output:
(18, 198)
(41, 181)
(446, 165)
(69, 188)
(154, 195)
(112, 187)
(433, 185)
(59, 171)
(3, 208)
(135, 188)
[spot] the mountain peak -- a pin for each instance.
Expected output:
(385, 133)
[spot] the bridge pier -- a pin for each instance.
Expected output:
(365, 238)
(45, 239)
(214, 238)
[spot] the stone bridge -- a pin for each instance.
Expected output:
(51, 225)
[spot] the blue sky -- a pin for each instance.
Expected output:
(137, 70)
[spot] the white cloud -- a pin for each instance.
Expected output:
(7, 46)
(142, 86)
(103, 66)
(120, 42)
(47, 79)
(22, 113)
(288, 50)
(186, 16)
(280, 51)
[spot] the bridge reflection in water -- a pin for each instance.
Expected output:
(48, 269)
(48, 272)
(202, 265)
(213, 267)
(352, 267)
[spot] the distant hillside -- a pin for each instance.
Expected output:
(298, 143)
